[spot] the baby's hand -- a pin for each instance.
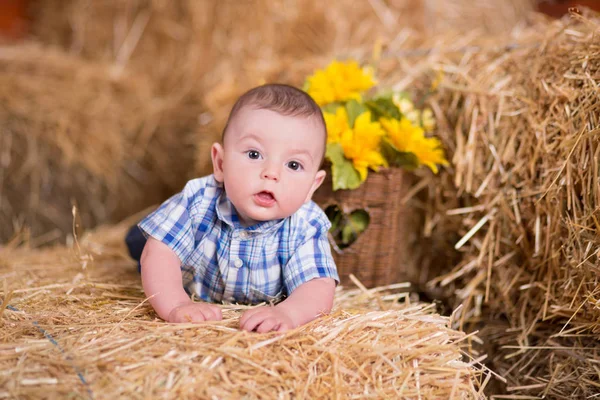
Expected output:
(266, 319)
(195, 312)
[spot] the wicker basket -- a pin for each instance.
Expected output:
(381, 255)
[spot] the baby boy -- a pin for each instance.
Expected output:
(248, 233)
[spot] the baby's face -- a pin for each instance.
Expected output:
(269, 163)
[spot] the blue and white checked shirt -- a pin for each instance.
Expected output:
(223, 261)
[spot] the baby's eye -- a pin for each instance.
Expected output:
(253, 154)
(294, 165)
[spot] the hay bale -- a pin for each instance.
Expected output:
(527, 151)
(73, 133)
(489, 17)
(162, 40)
(518, 211)
(108, 342)
(216, 50)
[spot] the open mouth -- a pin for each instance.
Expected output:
(264, 198)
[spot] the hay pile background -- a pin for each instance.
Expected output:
(77, 327)
(212, 51)
(74, 133)
(516, 219)
(189, 61)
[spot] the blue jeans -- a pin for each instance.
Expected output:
(135, 241)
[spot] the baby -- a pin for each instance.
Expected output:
(248, 233)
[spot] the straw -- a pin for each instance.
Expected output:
(370, 346)
(73, 134)
(519, 119)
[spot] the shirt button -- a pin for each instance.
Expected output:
(238, 263)
(244, 235)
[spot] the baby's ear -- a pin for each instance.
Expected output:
(316, 183)
(216, 154)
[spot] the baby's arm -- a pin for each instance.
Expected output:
(161, 279)
(304, 304)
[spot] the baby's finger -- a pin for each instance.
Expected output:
(196, 315)
(207, 311)
(217, 313)
(183, 315)
(269, 324)
(248, 314)
(251, 323)
(283, 327)
(176, 316)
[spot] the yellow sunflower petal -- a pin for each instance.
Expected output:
(339, 81)
(362, 171)
(336, 124)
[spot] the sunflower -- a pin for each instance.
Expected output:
(339, 82)
(361, 144)
(429, 152)
(410, 138)
(336, 124)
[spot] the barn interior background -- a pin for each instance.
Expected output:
(110, 106)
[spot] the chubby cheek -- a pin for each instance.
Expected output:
(237, 180)
(238, 169)
(290, 202)
(295, 192)
(236, 183)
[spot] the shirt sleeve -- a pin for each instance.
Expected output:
(171, 224)
(312, 259)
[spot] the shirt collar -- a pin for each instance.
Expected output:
(226, 212)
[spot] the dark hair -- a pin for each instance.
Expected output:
(283, 99)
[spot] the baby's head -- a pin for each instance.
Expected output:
(273, 147)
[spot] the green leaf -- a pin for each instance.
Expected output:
(331, 107)
(360, 220)
(335, 153)
(386, 92)
(343, 174)
(383, 107)
(354, 109)
(398, 158)
(347, 235)
(346, 228)
(335, 215)
(356, 224)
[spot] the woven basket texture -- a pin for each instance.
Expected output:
(381, 255)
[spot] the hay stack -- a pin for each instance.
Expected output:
(489, 17)
(518, 214)
(74, 133)
(167, 60)
(109, 344)
(215, 50)
(206, 50)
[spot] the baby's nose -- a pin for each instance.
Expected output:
(271, 174)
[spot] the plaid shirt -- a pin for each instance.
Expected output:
(222, 261)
